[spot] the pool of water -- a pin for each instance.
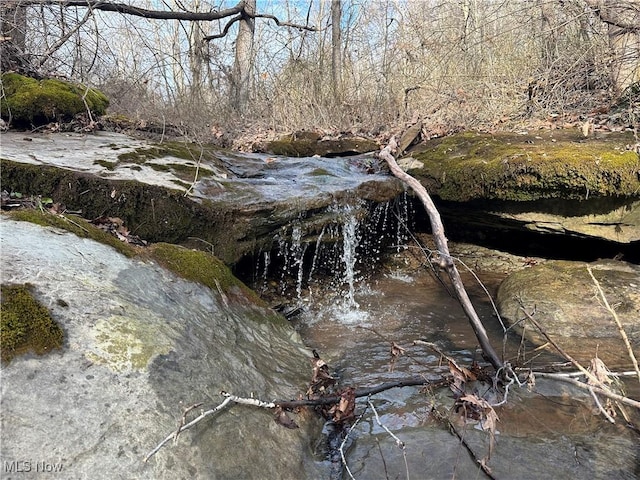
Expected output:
(550, 430)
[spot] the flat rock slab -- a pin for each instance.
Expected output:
(569, 308)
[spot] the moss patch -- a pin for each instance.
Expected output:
(471, 166)
(74, 224)
(183, 150)
(29, 102)
(200, 267)
(27, 325)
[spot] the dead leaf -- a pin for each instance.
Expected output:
(344, 410)
(396, 351)
(281, 418)
(600, 371)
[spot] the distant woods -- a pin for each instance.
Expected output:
(334, 64)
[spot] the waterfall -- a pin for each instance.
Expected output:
(344, 242)
(350, 241)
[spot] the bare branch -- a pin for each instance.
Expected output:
(225, 30)
(142, 12)
(446, 261)
(613, 313)
(280, 23)
(607, 393)
(171, 15)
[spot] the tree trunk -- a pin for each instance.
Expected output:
(243, 63)
(336, 49)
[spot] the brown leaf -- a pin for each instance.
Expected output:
(281, 418)
(396, 351)
(600, 371)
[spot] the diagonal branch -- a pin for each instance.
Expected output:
(446, 261)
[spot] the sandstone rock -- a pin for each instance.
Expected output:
(569, 308)
(142, 345)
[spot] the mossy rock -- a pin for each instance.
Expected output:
(28, 102)
(74, 224)
(27, 325)
(308, 144)
(152, 212)
(203, 268)
(470, 166)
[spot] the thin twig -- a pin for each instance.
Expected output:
(399, 443)
(344, 442)
(577, 364)
(196, 420)
(600, 407)
(623, 334)
(183, 420)
(607, 393)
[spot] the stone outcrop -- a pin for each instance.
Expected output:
(185, 193)
(554, 182)
(141, 346)
(569, 308)
(308, 144)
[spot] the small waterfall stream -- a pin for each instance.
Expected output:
(335, 256)
(351, 313)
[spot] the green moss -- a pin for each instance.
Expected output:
(182, 184)
(27, 325)
(200, 267)
(183, 150)
(318, 172)
(74, 224)
(105, 164)
(508, 167)
(185, 172)
(27, 101)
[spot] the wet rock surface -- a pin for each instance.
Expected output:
(177, 192)
(142, 345)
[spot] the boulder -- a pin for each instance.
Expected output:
(27, 102)
(569, 308)
(308, 144)
(142, 345)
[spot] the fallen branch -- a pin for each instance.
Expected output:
(446, 261)
(607, 393)
(182, 428)
(587, 373)
(289, 404)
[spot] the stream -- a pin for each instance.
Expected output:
(351, 281)
(355, 317)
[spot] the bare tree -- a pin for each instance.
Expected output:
(336, 47)
(12, 43)
(244, 12)
(623, 22)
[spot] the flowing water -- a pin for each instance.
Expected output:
(354, 316)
